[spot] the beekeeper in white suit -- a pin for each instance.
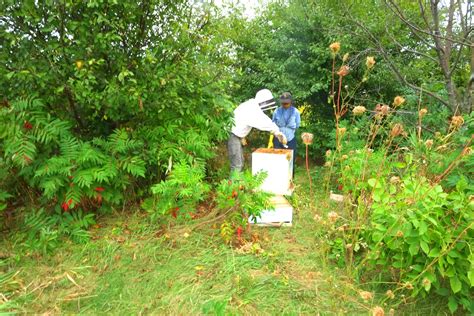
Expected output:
(250, 115)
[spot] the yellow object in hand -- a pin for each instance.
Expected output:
(270, 141)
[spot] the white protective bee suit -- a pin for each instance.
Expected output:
(250, 115)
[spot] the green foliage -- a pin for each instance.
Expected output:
(117, 92)
(43, 232)
(180, 193)
(424, 234)
(240, 199)
(67, 171)
(3, 200)
(403, 213)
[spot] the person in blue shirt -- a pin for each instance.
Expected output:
(288, 119)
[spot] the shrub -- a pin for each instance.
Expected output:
(180, 193)
(408, 208)
(68, 173)
(43, 232)
(240, 199)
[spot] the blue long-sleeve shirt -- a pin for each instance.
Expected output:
(288, 120)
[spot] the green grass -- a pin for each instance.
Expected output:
(131, 267)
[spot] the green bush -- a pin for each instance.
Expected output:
(240, 199)
(423, 234)
(67, 172)
(408, 209)
(43, 232)
(117, 93)
(180, 193)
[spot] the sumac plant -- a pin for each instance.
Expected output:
(63, 171)
(239, 200)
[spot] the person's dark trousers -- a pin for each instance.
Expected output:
(291, 145)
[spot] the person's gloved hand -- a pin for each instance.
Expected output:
(281, 137)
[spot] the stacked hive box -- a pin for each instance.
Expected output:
(278, 163)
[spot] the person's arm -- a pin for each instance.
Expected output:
(261, 121)
(274, 118)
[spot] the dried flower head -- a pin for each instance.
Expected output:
(349, 246)
(359, 110)
(429, 143)
(317, 218)
(397, 129)
(341, 131)
(343, 71)
(327, 164)
(390, 294)
(422, 112)
(409, 286)
(370, 62)
(467, 151)
(378, 311)
(332, 216)
(398, 101)
(345, 57)
(328, 153)
(457, 121)
(335, 47)
(344, 157)
(307, 138)
(342, 227)
(394, 180)
(385, 109)
(366, 295)
(399, 234)
(426, 282)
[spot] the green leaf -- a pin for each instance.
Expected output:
(456, 285)
(413, 249)
(470, 276)
(400, 165)
(424, 246)
(372, 182)
(452, 304)
(434, 253)
(423, 228)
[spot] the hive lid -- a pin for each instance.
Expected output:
(273, 151)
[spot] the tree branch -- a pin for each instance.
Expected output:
(409, 49)
(395, 70)
(414, 27)
(73, 107)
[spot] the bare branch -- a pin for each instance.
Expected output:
(395, 9)
(458, 56)
(423, 14)
(415, 28)
(449, 29)
(461, 19)
(409, 49)
(395, 70)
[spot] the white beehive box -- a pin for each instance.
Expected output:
(282, 215)
(278, 163)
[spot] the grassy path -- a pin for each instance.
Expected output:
(129, 268)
